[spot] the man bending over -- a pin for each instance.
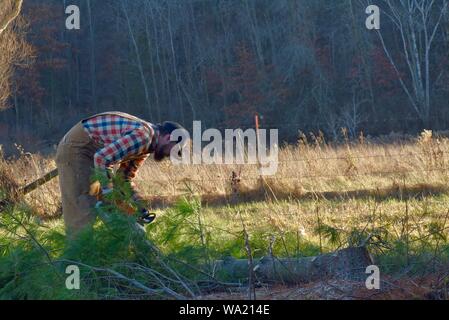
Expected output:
(100, 142)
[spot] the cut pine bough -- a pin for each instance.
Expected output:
(349, 263)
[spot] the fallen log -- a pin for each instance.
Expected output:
(39, 182)
(13, 192)
(348, 264)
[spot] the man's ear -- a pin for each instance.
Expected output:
(165, 138)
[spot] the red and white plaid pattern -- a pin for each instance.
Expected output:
(121, 138)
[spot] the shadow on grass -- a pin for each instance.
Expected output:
(271, 193)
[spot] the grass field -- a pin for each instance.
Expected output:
(391, 196)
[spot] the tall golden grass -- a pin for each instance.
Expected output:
(312, 167)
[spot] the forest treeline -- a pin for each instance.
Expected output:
(301, 64)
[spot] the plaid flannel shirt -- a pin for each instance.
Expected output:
(124, 141)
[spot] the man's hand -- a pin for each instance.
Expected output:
(143, 216)
(96, 190)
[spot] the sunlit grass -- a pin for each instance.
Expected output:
(391, 197)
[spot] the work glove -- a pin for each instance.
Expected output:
(104, 192)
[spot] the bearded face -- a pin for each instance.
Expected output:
(159, 154)
(163, 151)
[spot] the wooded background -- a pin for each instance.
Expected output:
(302, 64)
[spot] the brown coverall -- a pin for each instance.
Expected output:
(74, 158)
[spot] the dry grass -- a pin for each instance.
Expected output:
(425, 288)
(9, 10)
(311, 169)
(46, 200)
(396, 193)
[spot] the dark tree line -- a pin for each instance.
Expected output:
(302, 64)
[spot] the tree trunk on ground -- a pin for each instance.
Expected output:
(347, 264)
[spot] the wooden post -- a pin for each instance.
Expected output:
(256, 123)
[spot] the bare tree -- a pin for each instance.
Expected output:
(9, 10)
(352, 116)
(138, 57)
(93, 71)
(13, 48)
(417, 22)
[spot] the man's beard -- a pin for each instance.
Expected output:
(159, 154)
